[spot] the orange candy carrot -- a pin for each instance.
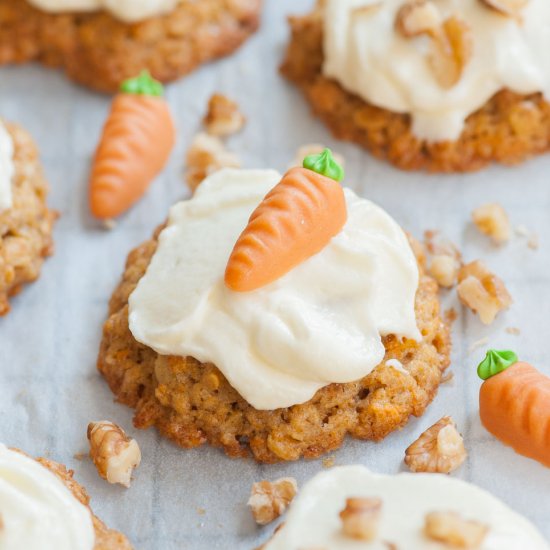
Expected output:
(136, 143)
(296, 219)
(514, 404)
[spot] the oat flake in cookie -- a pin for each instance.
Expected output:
(443, 86)
(100, 43)
(205, 363)
(26, 223)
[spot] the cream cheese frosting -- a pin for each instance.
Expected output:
(7, 168)
(313, 519)
(37, 510)
(367, 56)
(129, 11)
(320, 323)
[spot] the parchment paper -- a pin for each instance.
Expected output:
(196, 499)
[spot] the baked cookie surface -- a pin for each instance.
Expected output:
(192, 403)
(100, 51)
(509, 128)
(26, 227)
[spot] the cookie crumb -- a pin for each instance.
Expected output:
(482, 291)
(206, 155)
(533, 241)
(450, 315)
(80, 456)
(268, 500)
(360, 518)
(440, 449)
(492, 220)
(201, 511)
(329, 462)
(114, 454)
(223, 117)
(450, 528)
(448, 376)
(513, 330)
(109, 224)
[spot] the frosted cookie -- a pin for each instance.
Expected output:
(441, 86)
(43, 508)
(349, 507)
(26, 223)
(100, 43)
(336, 329)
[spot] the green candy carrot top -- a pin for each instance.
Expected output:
(143, 84)
(495, 362)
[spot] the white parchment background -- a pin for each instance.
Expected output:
(50, 390)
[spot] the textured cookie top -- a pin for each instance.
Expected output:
(321, 323)
(128, 11)
(413, 511)
(438, 61)
(7, 168)
(37, 510)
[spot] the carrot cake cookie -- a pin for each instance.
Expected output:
(100, 43)
(25, 221)
(441, 86)
(43, 508)
(285, 339)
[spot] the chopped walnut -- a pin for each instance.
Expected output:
(482, 291)
(207, 155)
(223, 117)
(114, 454)
(451, 51)
(450, 528)
(368, 9)
(417, 18)
(360, 517)
(444, 269)
(313, 149)
(511, 8)
(268, 500)
(492, 220)
(440, 449)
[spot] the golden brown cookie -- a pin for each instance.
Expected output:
(106, 539)
(192, 403)
(26, 228)
(508, 129)
(100, 51)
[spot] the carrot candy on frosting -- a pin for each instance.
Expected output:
(295, 220)
(137, 140)
(514, 404)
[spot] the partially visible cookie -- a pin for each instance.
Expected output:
(95, 533)
(192, 403)
(100, 51)
(25, 226)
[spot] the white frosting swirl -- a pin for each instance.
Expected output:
(365, 54)
(313, 519)
(320, 323)
(129, 11)
(7, 168)
(37, 510)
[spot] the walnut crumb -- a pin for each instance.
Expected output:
(510, 8)
(482, 291)
(329, 462)
(223, 117)
(418, 17)
(268, 500)
(444, 269)
(450, 528)
(360, 517)
(114, 454)
(440, 449)
(513, 330)
(492, 220)
(80, 456)
(206, 155)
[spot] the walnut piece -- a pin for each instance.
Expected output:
(440, 449)
(360, 517)
(206, 155)
(451, 50)
(492, 220)
(114, 454)
(444, 269)
(511, 8)
(482, 291)
(268, 500)
(417, 18)
(223, 117)
(450, 528)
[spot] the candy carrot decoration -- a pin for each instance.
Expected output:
(136, 143)
(296, 219)
(514, 404)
